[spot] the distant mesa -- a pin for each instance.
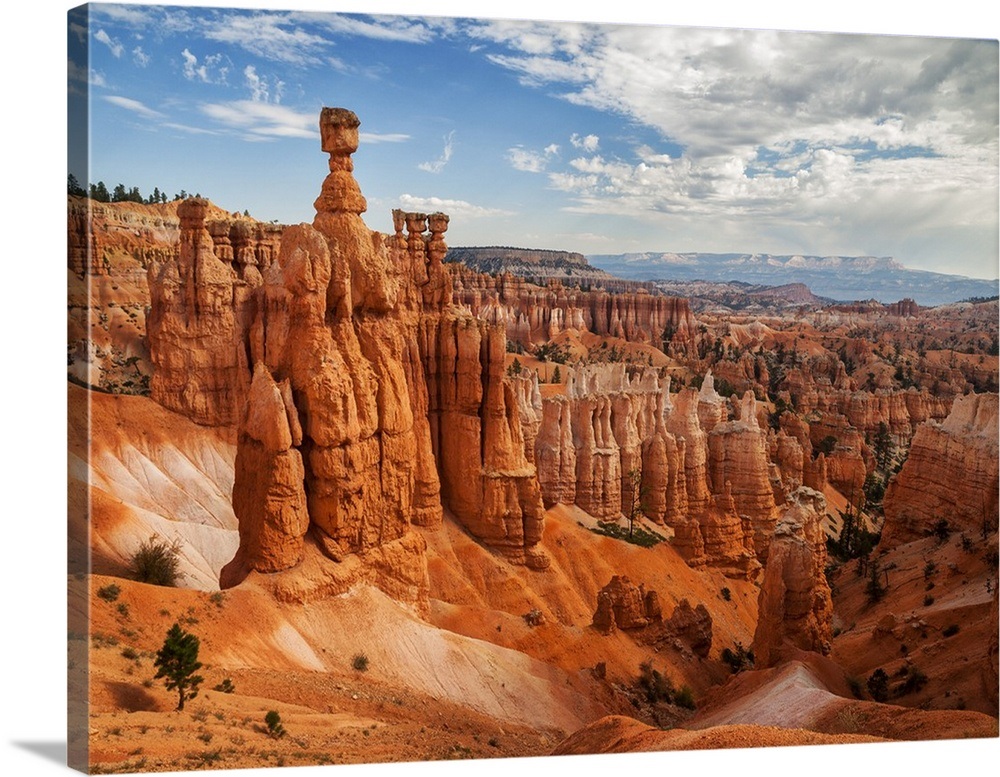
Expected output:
(534, 264)
(844, 278)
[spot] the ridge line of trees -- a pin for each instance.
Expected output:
(99, 193)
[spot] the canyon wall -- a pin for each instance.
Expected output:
(950, 474)
(619, 443)
(535, 314)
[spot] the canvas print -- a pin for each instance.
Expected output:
(458, 388)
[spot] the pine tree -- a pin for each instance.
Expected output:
(556, 376)
(99, 192)
(73, 187)
(177, 662)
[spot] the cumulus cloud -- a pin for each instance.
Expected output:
(213, 69)
(589, 143)
(798, 131)
(525, 160)
(459, 208)
(117, 49)
(529, 161)
(260, 88)
(439, 164)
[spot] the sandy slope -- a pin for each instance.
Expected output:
(152, 472)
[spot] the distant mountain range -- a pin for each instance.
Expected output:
(843, 278)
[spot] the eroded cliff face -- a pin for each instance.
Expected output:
(618, 440)
(794, 605)
(738, 465)
(535, 314)
(374, 402)
(195, 326)
(951, 474)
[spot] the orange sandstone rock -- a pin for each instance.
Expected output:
(951, 473)
(794, 604)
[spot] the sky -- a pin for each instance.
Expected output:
(593, 138)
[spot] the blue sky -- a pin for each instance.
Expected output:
(598, 139)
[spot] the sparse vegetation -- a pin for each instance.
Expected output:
(739, 659)
(875, 588)
(915, 681)
(360, 662)
(226, 686)
(156, 561)
(275, 728)
(177, 661)
(109, 592)
(655, 685)
(685, 698)
(950, 630)
(878, 685)
(640, 536)
(941, 529)
(727, 595)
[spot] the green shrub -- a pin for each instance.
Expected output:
(878, 685)
(685, 698)
(950, 631)
(155, 562)
(915, 680)
(655, 685)
(226, 686)
(273, 721)
(109, 593)
(726, 594)
(941, 529)
(360, 662)
(928, 600)
(639, 536)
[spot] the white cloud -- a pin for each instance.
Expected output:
(459, 208)
(530, 161)
(134, 105)
(589, 143)
(804, 135)
(262, 121)
(388, 28)
(214, 68)
(189, 129)
(384, 137)
(439, 164)
(273, 36)
(260, 88)
(525, 160)
(117, 49)
(140, 57)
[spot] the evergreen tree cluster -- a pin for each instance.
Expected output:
(99, 193)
